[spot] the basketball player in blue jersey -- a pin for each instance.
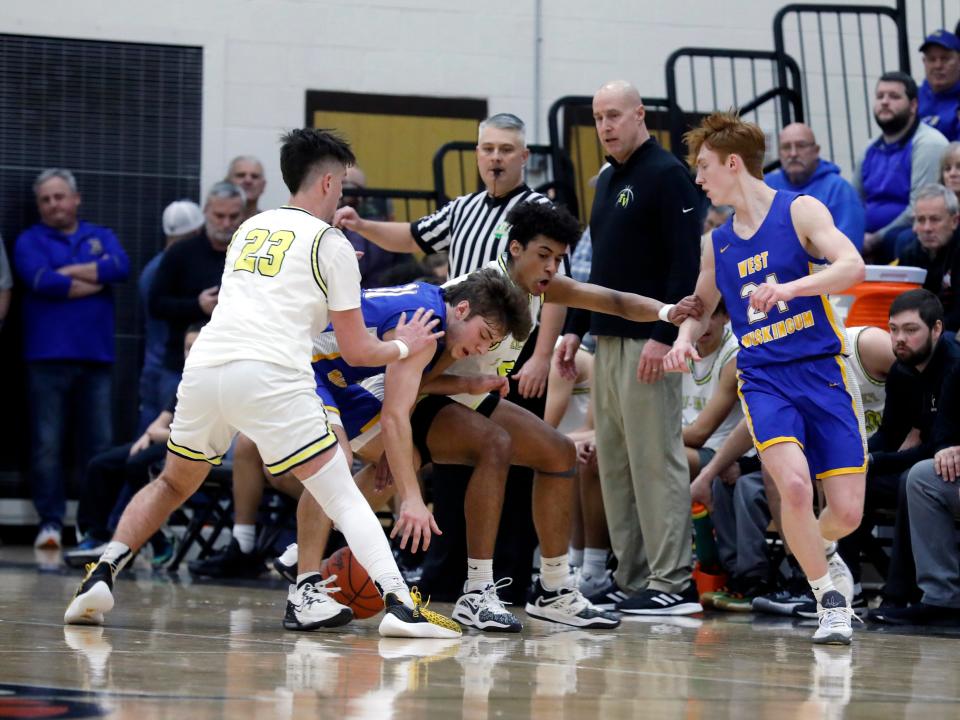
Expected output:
(473, 316)
(773, 263)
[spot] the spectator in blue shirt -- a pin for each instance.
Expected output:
(803, 171)
(895, 166)
(939, 95)
(67, 267)
(181, 219)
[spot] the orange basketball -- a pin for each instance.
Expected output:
(357, 590)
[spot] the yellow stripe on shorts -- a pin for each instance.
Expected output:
(189, 454)
(303, 454)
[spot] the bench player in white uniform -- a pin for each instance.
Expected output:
(286, 274)
(539, 238)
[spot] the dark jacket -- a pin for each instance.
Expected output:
(645, 226)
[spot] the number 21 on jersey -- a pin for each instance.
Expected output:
(255, 258)
(754, 315)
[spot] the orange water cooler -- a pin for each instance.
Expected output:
(868, 302)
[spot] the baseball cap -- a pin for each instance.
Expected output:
(943, 38)
(181, 217)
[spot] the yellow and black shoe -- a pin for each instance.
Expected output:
(401, 621)
(94, 596)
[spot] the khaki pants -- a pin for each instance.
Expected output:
(643, 470)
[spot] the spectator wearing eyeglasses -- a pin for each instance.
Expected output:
(803, 171)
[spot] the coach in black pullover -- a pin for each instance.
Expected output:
(645, 227)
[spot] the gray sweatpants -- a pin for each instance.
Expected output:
(643, 470)
(741, 516)
(934, 506)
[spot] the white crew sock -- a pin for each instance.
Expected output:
(821, 586)
(554, 572)
(594, 562)
(246, 537)
(117, 555)
(575, 556)
(479, 574)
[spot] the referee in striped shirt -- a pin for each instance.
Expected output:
(473, 230)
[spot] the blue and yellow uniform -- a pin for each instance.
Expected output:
(793, 378)
(355, 394)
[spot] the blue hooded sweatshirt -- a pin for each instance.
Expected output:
(939, 110)
(840, 197)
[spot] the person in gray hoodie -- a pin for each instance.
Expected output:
(803, 171)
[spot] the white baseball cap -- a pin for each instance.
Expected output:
(181, 217)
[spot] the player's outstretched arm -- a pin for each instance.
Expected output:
(362, 349)
(814, 225)
(692, 328)
(401, 385)
(447, 384)
(566, 291)
(392, 236)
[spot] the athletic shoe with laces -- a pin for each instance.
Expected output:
(163, 550)
(402, 621)
(568, 606)
(310, 607)
(835, 618)
(483, 609)
(48, 538)
(286, 564)
(840, 574)
(87, 551)
(656, 602)
(590, 585)
(785, 600)
(93, 598)
(231, 562)
(808, 609)
(607, 597)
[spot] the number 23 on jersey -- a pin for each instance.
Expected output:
(263, 251)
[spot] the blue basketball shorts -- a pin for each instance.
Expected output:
(356, 407)
(814, 403)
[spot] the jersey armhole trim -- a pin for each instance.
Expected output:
(315, 261)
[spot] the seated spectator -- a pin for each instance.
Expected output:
(375, 262)
(935, 220)
(802, 170)
(939, 94)
(933, 507)
(914, 394)
(895, 166)
(127, 465)
(246, 172)
(182, 219)
(715, 217)
(950, 168)
(185, 287)
(67, 266)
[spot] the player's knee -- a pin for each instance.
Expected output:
(848, 514)
(174, 488)
(498, 446)
(796, 491)
(563, 456)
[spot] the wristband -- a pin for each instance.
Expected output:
(664, 311)
(402, 347)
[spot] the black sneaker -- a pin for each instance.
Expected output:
(655, 602)
(401, 621)
(786, 600)
(607, 597)
(286, 564)
(94, 597)
(917, 614)
(231, 562)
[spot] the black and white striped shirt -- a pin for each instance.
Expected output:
(472, 228)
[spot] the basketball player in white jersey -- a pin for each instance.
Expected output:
(287, 274)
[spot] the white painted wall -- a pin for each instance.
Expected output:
(261, 56)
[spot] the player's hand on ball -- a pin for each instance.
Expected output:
(419, 332)
(769, 294)
(690, 306)
(676, 359)
(414, 523)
